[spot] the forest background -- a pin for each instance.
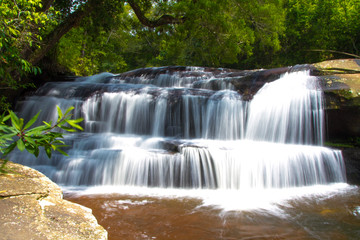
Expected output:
(88, 37)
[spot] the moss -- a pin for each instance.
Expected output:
(352, 142)
(338, 145)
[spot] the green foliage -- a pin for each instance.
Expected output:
(219, 33)
(21, 28)
(85, 54)
(215, 33)
(24, 136)
(320, 24)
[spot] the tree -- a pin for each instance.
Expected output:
(21, 28)
(202, 32)
(314, 27)
(30, 29)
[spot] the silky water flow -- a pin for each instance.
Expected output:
(170, 141)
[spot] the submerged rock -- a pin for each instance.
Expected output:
(32, 207)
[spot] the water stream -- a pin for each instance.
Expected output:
(183, 155)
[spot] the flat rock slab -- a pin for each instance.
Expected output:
(32, 208)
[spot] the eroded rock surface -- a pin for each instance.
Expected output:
(341, 84)
(32, 208)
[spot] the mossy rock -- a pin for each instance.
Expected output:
(342, 78)
(340, 81)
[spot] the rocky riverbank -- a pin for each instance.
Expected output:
(32, 207)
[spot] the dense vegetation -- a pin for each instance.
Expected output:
(91, 36)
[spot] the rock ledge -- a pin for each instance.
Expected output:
(32, 207)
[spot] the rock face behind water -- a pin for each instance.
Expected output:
(32, 208)
(340, 81)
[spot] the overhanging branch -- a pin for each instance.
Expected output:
(163, 20)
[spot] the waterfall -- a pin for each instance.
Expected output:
(288, 110)
(188, 129)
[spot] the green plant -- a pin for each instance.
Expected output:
(22, 136)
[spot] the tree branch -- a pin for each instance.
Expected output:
(75, 18)
(50, 41)
(46, 4)
(333, 51)
(163, 20)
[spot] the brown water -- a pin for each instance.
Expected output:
(129, 217)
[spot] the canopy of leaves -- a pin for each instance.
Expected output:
(211, 33)
(313, 25)
(92, 36)
(21, 27)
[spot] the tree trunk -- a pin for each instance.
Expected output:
(75, 18)
(163, 20)
(53, 38)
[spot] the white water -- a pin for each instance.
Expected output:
(195, 143)
(288, 110)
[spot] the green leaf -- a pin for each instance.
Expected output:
(32, 121)
(36, 153)
(48, 124)
(59, 141)
(21, 123)
(29, 140)
(73, 124)
(7, 136)
(48, 151)
(30, 148)
(62, 152)
(20, 144)
(69, 110)
(68, 129)
(5, 129)
(60, 114)
(5, 118)
(37, 130)
(9, 148)
(15, 120)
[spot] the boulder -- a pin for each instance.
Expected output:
(340, 80)
(32, 207)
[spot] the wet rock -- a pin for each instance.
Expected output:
(340, 81)
(352, 164)
(32, 208)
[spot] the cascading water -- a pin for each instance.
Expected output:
(165, 131)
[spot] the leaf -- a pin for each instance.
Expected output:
(53, 147)
(9, 148)
(29, 140)
(69, 110)
(59, 141)
(5, 118)
(60, 114)
(20, 145)
(15, 120)
(30, 148)
(73, 124)
(37, 130)
(48, 151)
(7, 136)
(32, 121)
(62, 152)
(21, 123)
(5, 129)
(68, 129)
(36, 153)
(47, 124)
